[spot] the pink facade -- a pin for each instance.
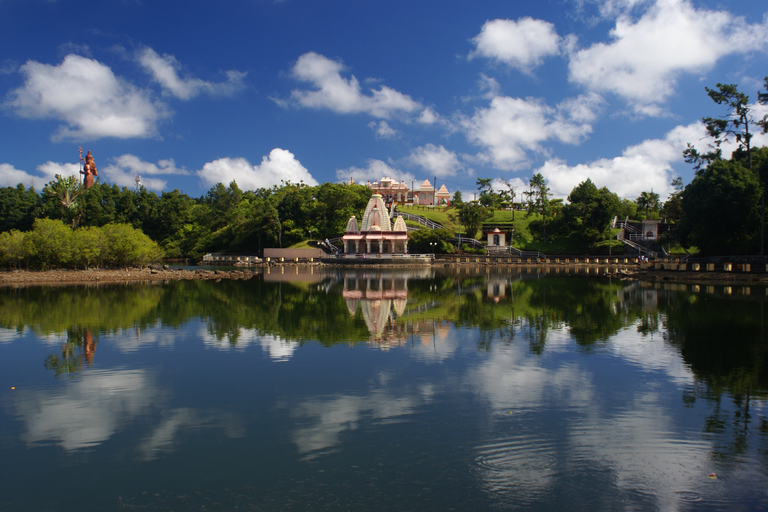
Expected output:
(375, 234)
(390, 190)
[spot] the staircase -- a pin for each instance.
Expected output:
(461, 240)
(630, 235)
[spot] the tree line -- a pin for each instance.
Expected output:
(225, 219)
(722, 211)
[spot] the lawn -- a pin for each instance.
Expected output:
(524, 239)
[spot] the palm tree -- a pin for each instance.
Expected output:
(66, 191)
(648, 201)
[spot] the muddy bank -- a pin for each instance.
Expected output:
(48, 277)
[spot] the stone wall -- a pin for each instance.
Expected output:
(292, 254)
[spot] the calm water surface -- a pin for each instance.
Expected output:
(407, 390)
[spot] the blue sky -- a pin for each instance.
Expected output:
(189, 93)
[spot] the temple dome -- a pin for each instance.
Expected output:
(352, 226)
(376, 214)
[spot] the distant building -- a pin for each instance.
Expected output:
(393, 192)
(443, 196)
(425, 194)
(390, 190)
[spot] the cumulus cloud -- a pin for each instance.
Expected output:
(436, 160)
(10, 176)
(279, 165)
(345, 96)
(165, 70)
(521, 44)
(375, 170)
(124, 170)
(104, 400)
(646, 56)
(87, 96)
(383, 130)
(509, 128)
(645, 166)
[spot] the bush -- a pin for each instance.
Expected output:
(52, 244)
(602, 248)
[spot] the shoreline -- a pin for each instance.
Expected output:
(157, 273)
(114, 276)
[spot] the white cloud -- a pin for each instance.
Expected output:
(165, 70)
(279, 165)
(383, 130)
(521, 44)
(10, 176)
(436, 160)
(374, 172)
(323, 419)
(123, 172)
(642, 167)
(344, 96)
(582, 109)
(429, 116)
(88, 411)
(183, 420)
(278, 349)
(511, 127)
(88, 98)
(646, 56)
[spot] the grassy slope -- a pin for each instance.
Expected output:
(523, 237)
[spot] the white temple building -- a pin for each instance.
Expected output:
(375, 235)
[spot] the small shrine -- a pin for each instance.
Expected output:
(375, 235)
(496, 238)
(424, 195)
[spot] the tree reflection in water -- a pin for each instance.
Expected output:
(719, 335)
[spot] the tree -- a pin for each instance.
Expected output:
(487, 197)
(66, 192)
(590, 210)
(735, 124)
(537, 200)
(648, 201)
(430, 241)
(52, 240)
(720, 209)
(471, 216)
(720, 129)
(512, 193)
(672, 209)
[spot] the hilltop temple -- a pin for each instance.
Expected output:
(375, 235)
(393, 192)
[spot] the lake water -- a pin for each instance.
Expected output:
(394, 390)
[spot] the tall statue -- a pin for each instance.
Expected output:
(89, 169)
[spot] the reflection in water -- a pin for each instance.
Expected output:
(163, 437)
(498, 391)
(329, 416)
(277, 348)
(99, 404)
(79, 347)
(87, 411)
(382, 300)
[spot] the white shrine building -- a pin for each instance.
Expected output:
(375, 235)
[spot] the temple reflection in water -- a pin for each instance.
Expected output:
(382, 300)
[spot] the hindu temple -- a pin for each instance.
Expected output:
(375, 235)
